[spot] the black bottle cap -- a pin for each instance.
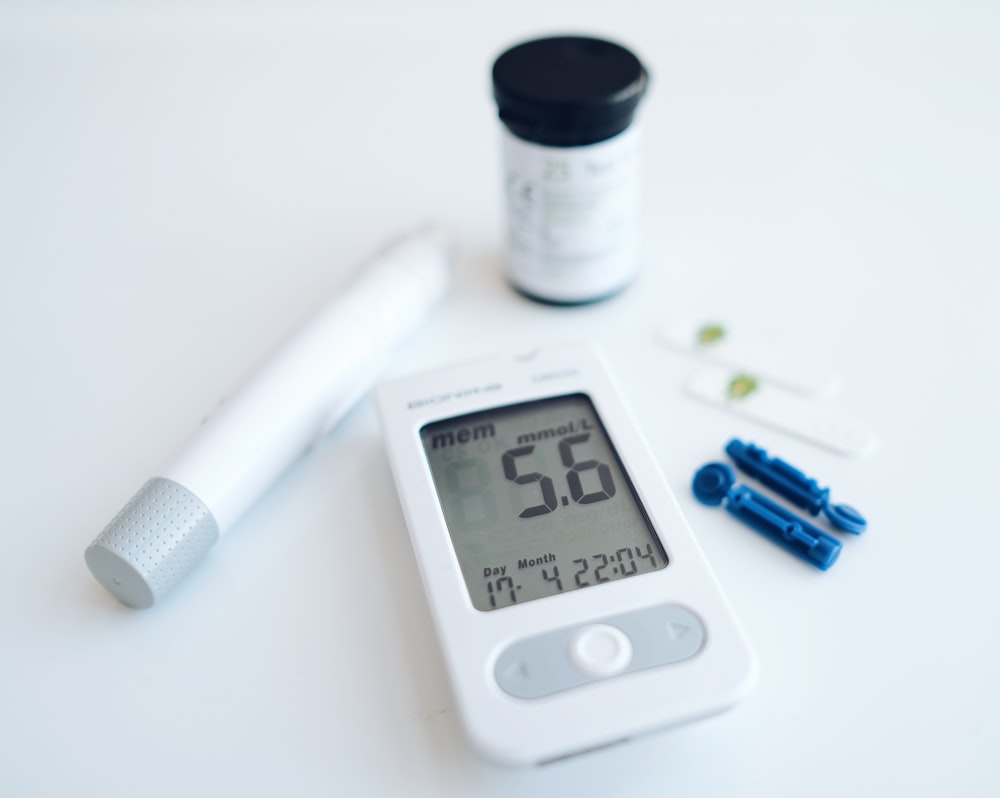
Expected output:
(567, 91)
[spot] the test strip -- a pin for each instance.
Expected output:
(717, 343)
(805, 418)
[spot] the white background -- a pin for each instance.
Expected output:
(181, 184)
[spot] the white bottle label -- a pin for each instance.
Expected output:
(572, 216)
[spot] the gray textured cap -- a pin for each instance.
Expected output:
(155, 539)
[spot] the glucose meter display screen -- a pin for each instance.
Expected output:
(537, 501)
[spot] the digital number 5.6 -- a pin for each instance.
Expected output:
(574, 479)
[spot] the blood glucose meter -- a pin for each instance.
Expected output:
(573, 605)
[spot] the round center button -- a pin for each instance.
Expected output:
(600, 650)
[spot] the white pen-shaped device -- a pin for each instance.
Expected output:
(289, 403)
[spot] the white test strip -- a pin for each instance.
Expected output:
(717, 343)
(767, 403)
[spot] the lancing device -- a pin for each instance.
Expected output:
(290, 403)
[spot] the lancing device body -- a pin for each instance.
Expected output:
(285, 407)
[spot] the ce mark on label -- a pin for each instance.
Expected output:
(520, 192)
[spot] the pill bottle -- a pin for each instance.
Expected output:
(570, 155)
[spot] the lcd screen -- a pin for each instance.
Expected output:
(537, 501)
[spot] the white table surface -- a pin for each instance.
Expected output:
(180, 185)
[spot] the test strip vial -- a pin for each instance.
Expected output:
(570, 152)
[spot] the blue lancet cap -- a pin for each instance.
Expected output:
(712, 482)
(845, 517)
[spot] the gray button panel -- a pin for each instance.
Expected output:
(541, 665)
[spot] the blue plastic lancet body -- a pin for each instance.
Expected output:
(716, 482)
(792, 484)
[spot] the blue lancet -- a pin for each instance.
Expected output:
(716, 482)
(792, 484)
